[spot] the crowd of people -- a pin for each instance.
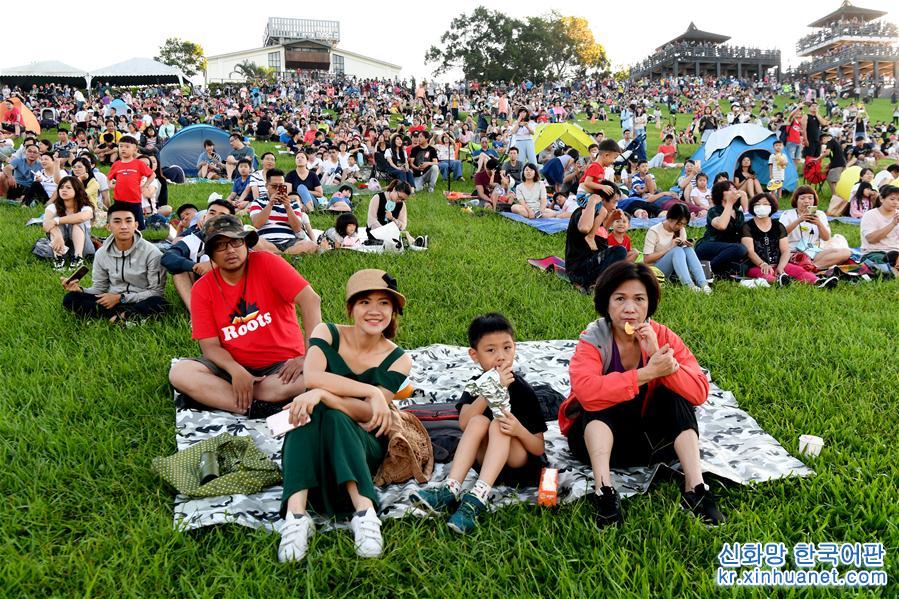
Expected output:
(634, 382)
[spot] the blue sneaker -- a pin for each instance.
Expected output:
(434, 501)
(466, 517)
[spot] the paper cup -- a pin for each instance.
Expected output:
(810, 445)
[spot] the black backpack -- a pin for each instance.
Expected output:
(441, 420)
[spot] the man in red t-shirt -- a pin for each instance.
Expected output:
(243, 313)
(12, 120)
(128, 177)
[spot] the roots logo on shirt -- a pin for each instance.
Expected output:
(245, 319)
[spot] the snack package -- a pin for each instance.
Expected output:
(548, 492)
(489, 387)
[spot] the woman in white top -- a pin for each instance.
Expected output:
(880, 226)
(809, 233)
(530, 194)
(667, 248)
(67, 223)
(523, 129)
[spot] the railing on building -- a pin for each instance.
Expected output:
(846, 55)
(703, 52)
(877, 31)
(280, 29)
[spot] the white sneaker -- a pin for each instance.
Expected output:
(295, 535)
(750, 283)
(760, 282)
(707, 290)
(367, 534)
(695, 288)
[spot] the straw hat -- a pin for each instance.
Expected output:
(372, 279)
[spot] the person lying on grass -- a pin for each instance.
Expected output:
(587, 251)
(344, 234)
(67, 223)
(128, 280)
(509, 448)
(185, 260)
(561, 206)
(243, 314)
(634, 385)
(353, 373)
(667, 248)
(768, 250)
(389, 206)
(809, 232)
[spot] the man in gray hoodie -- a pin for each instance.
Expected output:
(128, 279)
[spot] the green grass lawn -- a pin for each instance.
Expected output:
(87, 406)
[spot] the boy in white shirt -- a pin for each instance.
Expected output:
(777, 168)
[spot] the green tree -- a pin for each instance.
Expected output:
(490, 45)
(480, 44)
(185, 55)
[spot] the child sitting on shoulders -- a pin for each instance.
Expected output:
(509, 448)
(344, 234)
(342, 200)
(618, 236)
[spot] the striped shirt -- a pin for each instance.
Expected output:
(277, 229)
(257, 180)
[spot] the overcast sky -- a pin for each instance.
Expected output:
(91, 36)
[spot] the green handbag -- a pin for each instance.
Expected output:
(243, 468)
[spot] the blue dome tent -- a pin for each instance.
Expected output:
(185, 146)
(725, 147)
(120, 108)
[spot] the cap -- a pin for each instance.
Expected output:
(213, 197)
(227, 225)
(372, 279)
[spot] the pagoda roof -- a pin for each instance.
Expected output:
(693, 34)
(848, 11)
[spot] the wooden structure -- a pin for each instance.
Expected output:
(701, 53)
(851, 42)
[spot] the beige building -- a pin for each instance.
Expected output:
(299, 46)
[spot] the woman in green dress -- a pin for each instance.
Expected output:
(352, 373)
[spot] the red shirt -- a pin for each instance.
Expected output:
(669, 152)
(127, 177)
(596, 171)
(13, 116)
(262, 329)
(625, 243)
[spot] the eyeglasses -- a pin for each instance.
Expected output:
(223, 245)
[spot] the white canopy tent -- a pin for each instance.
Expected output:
(48, 71)
(137, 71)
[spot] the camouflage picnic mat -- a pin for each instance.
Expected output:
(733, 446)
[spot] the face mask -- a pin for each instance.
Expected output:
(762, 211)
(389, 205)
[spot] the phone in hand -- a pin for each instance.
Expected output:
(77, 275)
(279, 424)
(282, 188)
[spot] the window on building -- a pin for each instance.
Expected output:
(337, 64)
(274, 61)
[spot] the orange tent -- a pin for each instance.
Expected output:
(31, 123)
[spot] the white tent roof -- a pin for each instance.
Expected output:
(751, 134)
(48, 68)
(138, 67)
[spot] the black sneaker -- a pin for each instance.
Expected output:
(59, 263)
(783, 280)
(827, 282)
(701, 501)
(264, 409)
(607, 506)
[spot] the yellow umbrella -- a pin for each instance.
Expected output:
(570, 134)
(849, 178)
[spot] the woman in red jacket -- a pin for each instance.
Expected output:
(634, 385)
